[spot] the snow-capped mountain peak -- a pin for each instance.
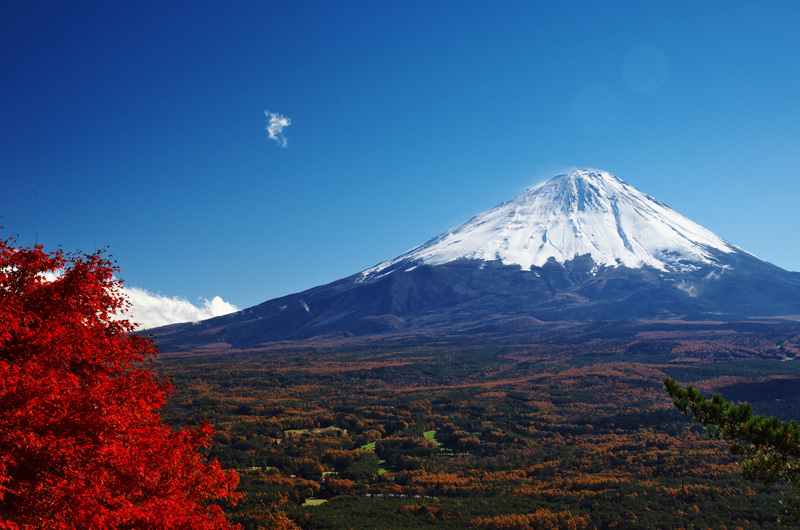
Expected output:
(609, 237)
(581, 213)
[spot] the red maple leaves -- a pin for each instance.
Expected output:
(82, 444)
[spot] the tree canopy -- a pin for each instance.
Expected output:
(768, 448)
(82, 442)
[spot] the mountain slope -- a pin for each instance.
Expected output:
(580, 247)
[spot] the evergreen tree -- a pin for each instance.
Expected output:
(768, 448)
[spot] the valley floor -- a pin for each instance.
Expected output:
(492, 436)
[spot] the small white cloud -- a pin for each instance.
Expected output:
(51, 276)
(152, 310)
(276, 123)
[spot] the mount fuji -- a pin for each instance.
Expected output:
(580, 248)
(584, 213)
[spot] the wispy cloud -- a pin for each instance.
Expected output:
(276, 123)
(152, 310)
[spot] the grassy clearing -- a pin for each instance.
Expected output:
(298, 431)
(314, 502)
(431, 435)
(371, 447)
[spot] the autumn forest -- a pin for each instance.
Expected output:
(570, 432)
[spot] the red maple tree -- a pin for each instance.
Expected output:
(82, 444)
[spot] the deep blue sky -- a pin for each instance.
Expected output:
(140, 126)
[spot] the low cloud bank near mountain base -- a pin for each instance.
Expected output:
(151, 310)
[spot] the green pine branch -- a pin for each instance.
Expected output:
(768, 449)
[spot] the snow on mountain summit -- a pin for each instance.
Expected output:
(583, 212)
